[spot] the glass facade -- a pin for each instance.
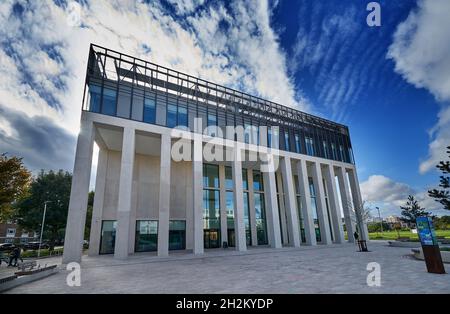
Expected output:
(297, 144)
(146, 239)
(248, 233)
(309, 146)
(154, 94)
(312, 191)
(287, 144)
(301, 223)
(211, 206)
(108, 236)
(177, 235)
(260, 210)
(328, 209)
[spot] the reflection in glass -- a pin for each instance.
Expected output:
(95, 93)
(109, 101)
(177, 235)
(146, 236)
(108, 236)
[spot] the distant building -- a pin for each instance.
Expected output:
(10, 232)
(392, 220)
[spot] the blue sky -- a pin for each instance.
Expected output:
(389, 84)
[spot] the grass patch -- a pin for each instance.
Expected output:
(393, 235)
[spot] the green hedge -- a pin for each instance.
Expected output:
(44, 252)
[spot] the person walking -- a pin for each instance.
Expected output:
(356, 236)
(15, 255)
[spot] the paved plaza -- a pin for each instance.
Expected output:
(320, 269)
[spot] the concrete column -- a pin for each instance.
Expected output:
(346, 203)
(322, 214)
(357, 201)
(273, 223)
(239, 226)
(333, 201)
(290, 202)
(308, 222)
(99, 196)
(164, 195)
(282, 209)
(124, 199)
(197, 186)
(223, 204)
(76, 217)
(251, 207)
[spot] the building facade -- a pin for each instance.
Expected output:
(186, 164)
(10, 232)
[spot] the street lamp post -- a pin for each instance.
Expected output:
(381, 221)
(42, 228)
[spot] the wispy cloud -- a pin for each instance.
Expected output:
(44, 46)
(389, 195)
(421, 51)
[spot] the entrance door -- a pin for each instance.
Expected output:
(211, 238)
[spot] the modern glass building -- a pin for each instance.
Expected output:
(280, 177)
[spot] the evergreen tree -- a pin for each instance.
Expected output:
(412, 210)
(442, 195)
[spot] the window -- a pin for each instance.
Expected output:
(109, 101)
(212, 121)
(325, 149)
(333, 151)
(228, 178)
(211, 206)
(108, 236)
(95, 94)
(287, 145)
(210, 176)
(176, 116)
(146, 239)
(244, 179)
(328, 209)
(248, 233)
(297, 144)
(260, 217)
(177, 235)
(301, 223)
(260, 211)
(11, 232)
(341, 153)
(309, 146)
(257, 181)
(350, 153)
(149, 110)
(182, 116)
(247, 133)
(171, 116)
(269, 136)
(312, 191)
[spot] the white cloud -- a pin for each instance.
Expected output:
(421, 51)
(389, 195)
(43, 52)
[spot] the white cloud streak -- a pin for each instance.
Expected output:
(421, 51)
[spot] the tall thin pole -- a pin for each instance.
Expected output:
(381, 221)
(42, 228)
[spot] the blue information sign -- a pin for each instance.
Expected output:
(426, 231)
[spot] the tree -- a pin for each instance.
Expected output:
(360, 215)
(53, 188)
(442, 195)
(14, 182)
(412, 210)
